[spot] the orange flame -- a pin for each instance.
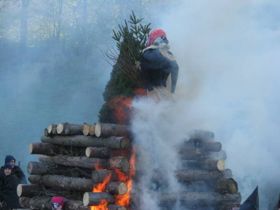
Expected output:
(124, 200)
(100, 187)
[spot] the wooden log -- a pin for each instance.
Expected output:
(24, 202)
(207, 146)
(119, 162)
(95, 198)
(62, 182)
(116, 207)
(28, 190)
(100, 174)
(51, 129)
(44, 202)
(201, 155)
(224, 186)
(116, 188)
(202, 135)
(204, 164)
(89, 141)
(198, 175)
(82, 162)
(88, 130)
(107, 129)
(43, 148)
(42, 168)
(51, 149)
(69, 129)
(98, 152)
(199, 199)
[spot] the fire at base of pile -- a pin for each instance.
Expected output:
(93, 167)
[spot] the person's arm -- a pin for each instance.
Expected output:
(20, 175)
(152, 59)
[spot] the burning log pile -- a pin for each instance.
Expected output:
(207, 183)
(90, 165)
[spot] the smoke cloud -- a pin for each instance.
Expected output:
(228, 53)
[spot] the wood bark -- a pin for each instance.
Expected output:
(43, 148)
(98, 152)
(28, 190)
(107, 129)
(82, 162)
(116, 188)
(42, 168)
(200, 199)
(204, 164)
(88, 130)
(62, 182)
(95, 198)
(207, 146)
(89, 141)
(198, 175)
(44, 202)
(69, 129)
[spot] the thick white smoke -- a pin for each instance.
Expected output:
(228, 53)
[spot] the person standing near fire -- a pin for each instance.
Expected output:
(159, 69)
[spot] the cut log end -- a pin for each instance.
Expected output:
(19, 190)
(30, 148)
(86, 200)
(221, 165)
(86, 128)
(98, 130)
(88, 152)
(60, 128)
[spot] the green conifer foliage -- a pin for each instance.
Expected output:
(130, 39)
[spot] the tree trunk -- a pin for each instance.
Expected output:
(91, 198)
(82, 162)
(63, 182)
(198, 154)
(201, 135)
(68, 129)
(226, 186)
(98, 152)
(106, 129)
(44, 149)
(88, 141)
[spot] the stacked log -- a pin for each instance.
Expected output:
(73, 160)
(89, 165)
(207, 183)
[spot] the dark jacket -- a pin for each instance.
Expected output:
(156, 65)
(17, 172)
(8, 190)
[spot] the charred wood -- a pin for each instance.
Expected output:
(89, 141)
(116, 188)
(116, 207)
(121, 163)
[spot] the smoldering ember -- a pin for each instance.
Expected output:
(139, 105)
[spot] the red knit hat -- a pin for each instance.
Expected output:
(154, 34)
(58, 200)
